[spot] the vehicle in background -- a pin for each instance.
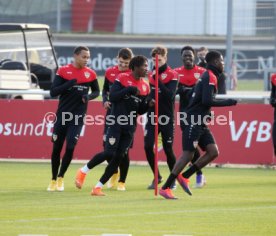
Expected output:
(27, 58)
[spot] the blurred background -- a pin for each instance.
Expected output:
(244, 31)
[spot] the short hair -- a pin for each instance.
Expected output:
(203, 49)
(212, 56)
(125, 53)
(159, 50)
(137, 61)
(187, 48)
(78, 49)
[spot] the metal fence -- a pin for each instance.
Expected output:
(251, 41)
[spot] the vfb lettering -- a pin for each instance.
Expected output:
(262, 129)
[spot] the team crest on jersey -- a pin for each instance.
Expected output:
(144, 88)
(54, 137)
(197, 75)
(163, 76)
(112, 141)
(195, 143)
(86, 74)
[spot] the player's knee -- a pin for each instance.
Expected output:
(168, 148)
(71, 144)
(214, 153)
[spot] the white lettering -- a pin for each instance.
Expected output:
(262, 65)
(236, 135)
(263, 134)
(250, 130)
(8, 129)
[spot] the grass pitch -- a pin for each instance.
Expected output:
(234, 202)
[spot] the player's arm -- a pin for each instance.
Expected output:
(61, 85)
(208, 96)
(272, 100)
(94, 85)
(168, 90)
(105, 91)
(145, 104)
(118, 91)
(152, 92)
(183, 90)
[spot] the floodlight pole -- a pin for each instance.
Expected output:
(156, 128)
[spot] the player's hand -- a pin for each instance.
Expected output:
(107, 105)
(272, 102)
(73, 82)
(85, 98)
(132, 90)
(151, 103)
(232, 102)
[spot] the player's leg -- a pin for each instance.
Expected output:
(58, 138)
(124, 166)
(190, 136)
(106, 155)
(120, 148)
(167, 133)
(148, 147)
(200, 178)
(208, 144)
(73, 134)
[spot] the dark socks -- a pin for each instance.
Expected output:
(195, 158)
(150, 159)
(66, 160)
(188, 173)
(97, 159)
(169, 181)
(124, 165)
(55, 160)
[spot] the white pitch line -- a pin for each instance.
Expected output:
(32, 234)
(138, 214)
(177, 235)
(116, 234)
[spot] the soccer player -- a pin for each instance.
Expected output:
(201, 54)
(273, 104)
(188, 75)
(196, 132)
(129, 98)
(167, 89)
(72, 83)
(202, 51)
(124, 57)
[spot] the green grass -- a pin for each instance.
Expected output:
(250, 85)
(234, 202)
